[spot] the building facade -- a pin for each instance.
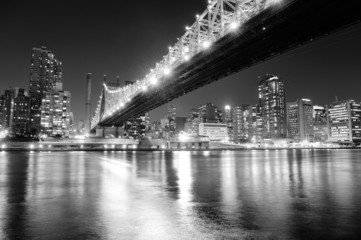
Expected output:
(344, 122)
(21, 113)
(246, 123)
(228, 119)
(192, 122)
(55, 114)
(209, 113)
(241, 119)
(272, 107)
(320, 128)
(172, 120)
(215, 131)
(7, 109)
(300, 120)
(45, 72)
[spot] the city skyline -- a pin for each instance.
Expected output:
(306, 71)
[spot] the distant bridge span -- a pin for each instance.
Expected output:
(231, 35)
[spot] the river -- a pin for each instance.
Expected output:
(250, 194)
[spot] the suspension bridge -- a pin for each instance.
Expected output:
(229, 36)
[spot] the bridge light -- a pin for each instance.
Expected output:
(144, 88)
(166, 71)
(153, 80)
(186, 49)
(186, 58)
(234, 25)
(206, 44)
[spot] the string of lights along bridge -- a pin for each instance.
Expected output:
(230, 35)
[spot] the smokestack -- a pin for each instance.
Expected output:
(87, 123)
(105, 78)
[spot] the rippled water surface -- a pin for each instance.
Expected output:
(181, 195)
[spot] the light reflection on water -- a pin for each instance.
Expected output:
(295, 194)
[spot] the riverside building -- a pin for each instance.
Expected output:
(55, 112)
(344, 122)
(45, 72)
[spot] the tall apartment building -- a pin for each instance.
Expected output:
(320, 129)
(56, 117)
(300, 120)
(273, 107)
(45, 72)
(21, 113)
(344, 121)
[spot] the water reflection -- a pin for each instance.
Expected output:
(251, 194)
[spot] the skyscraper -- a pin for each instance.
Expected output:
(7, 109)
(272, 107)
(300, 120)
(45, 72)
(21, 116)
(171, 118)
(344, 121)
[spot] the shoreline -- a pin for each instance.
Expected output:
(166, 150)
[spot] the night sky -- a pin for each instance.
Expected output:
(127, 38)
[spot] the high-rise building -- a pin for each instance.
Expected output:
(241, 115)
(171, 119)
(21, 113)
(320, 129)
(273, 107)
(55, 113)
(7, 109)
(209, 113)
(45, 72)
(344, 121)
(245, 123)
(300, 120)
